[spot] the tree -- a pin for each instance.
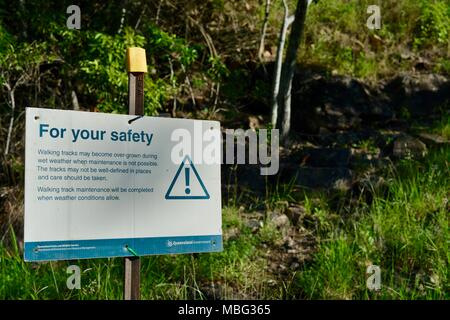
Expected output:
(284, 72)
(264, 30)
(19, 67)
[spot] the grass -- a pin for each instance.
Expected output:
(404, 231)
(337, 38)
(237, 271)
(443, 127)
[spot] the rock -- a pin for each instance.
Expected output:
(253, 224)
(289, 243)
(318, 168)
(398, 124)
(295, 213)
(280, 220)
(319, 178)
(432, 139)
(348, 138)
(256, 215)
(325, 157)
(335, 103)
(408, 147)
(231, 234)
(365, 154)
(294, 266)
(421, 94)
(242, 178)
(212, 291)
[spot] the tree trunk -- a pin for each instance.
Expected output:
(278, 66)
(288, 70)
(11, 121)
(75, 104)
(264, 31)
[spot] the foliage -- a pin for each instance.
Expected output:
(337, 38)
(405, 232)
(99, 64)
(20, 62)
(167, 277)
(92, 63)
(217, 69)
(434, 23)
(194, 50)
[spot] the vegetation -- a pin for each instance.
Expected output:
(205, 63)
(404, 230)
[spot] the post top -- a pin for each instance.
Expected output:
(136, 60)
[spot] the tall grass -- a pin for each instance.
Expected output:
(405, 231)
(337, 38)
(237, 272)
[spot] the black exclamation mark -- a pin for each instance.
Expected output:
(186, 176)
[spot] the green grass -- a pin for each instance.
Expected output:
(404, 231)
(238, 270)
(443, 127)
(337, 38)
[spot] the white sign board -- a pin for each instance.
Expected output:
(99, 185)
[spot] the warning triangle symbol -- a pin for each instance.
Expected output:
(187, 183)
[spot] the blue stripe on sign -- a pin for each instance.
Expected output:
(107, 248)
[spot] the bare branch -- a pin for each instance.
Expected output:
(22, 79)
(191, 91)
(6, 84)
(264, 30)
(122, 20)
(158, 11)
(174, 87)
(11, 121)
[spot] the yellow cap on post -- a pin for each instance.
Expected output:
(136, 60)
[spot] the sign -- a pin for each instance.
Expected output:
(104, 185)
(185, 185)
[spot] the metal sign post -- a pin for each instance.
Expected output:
(136, 67)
